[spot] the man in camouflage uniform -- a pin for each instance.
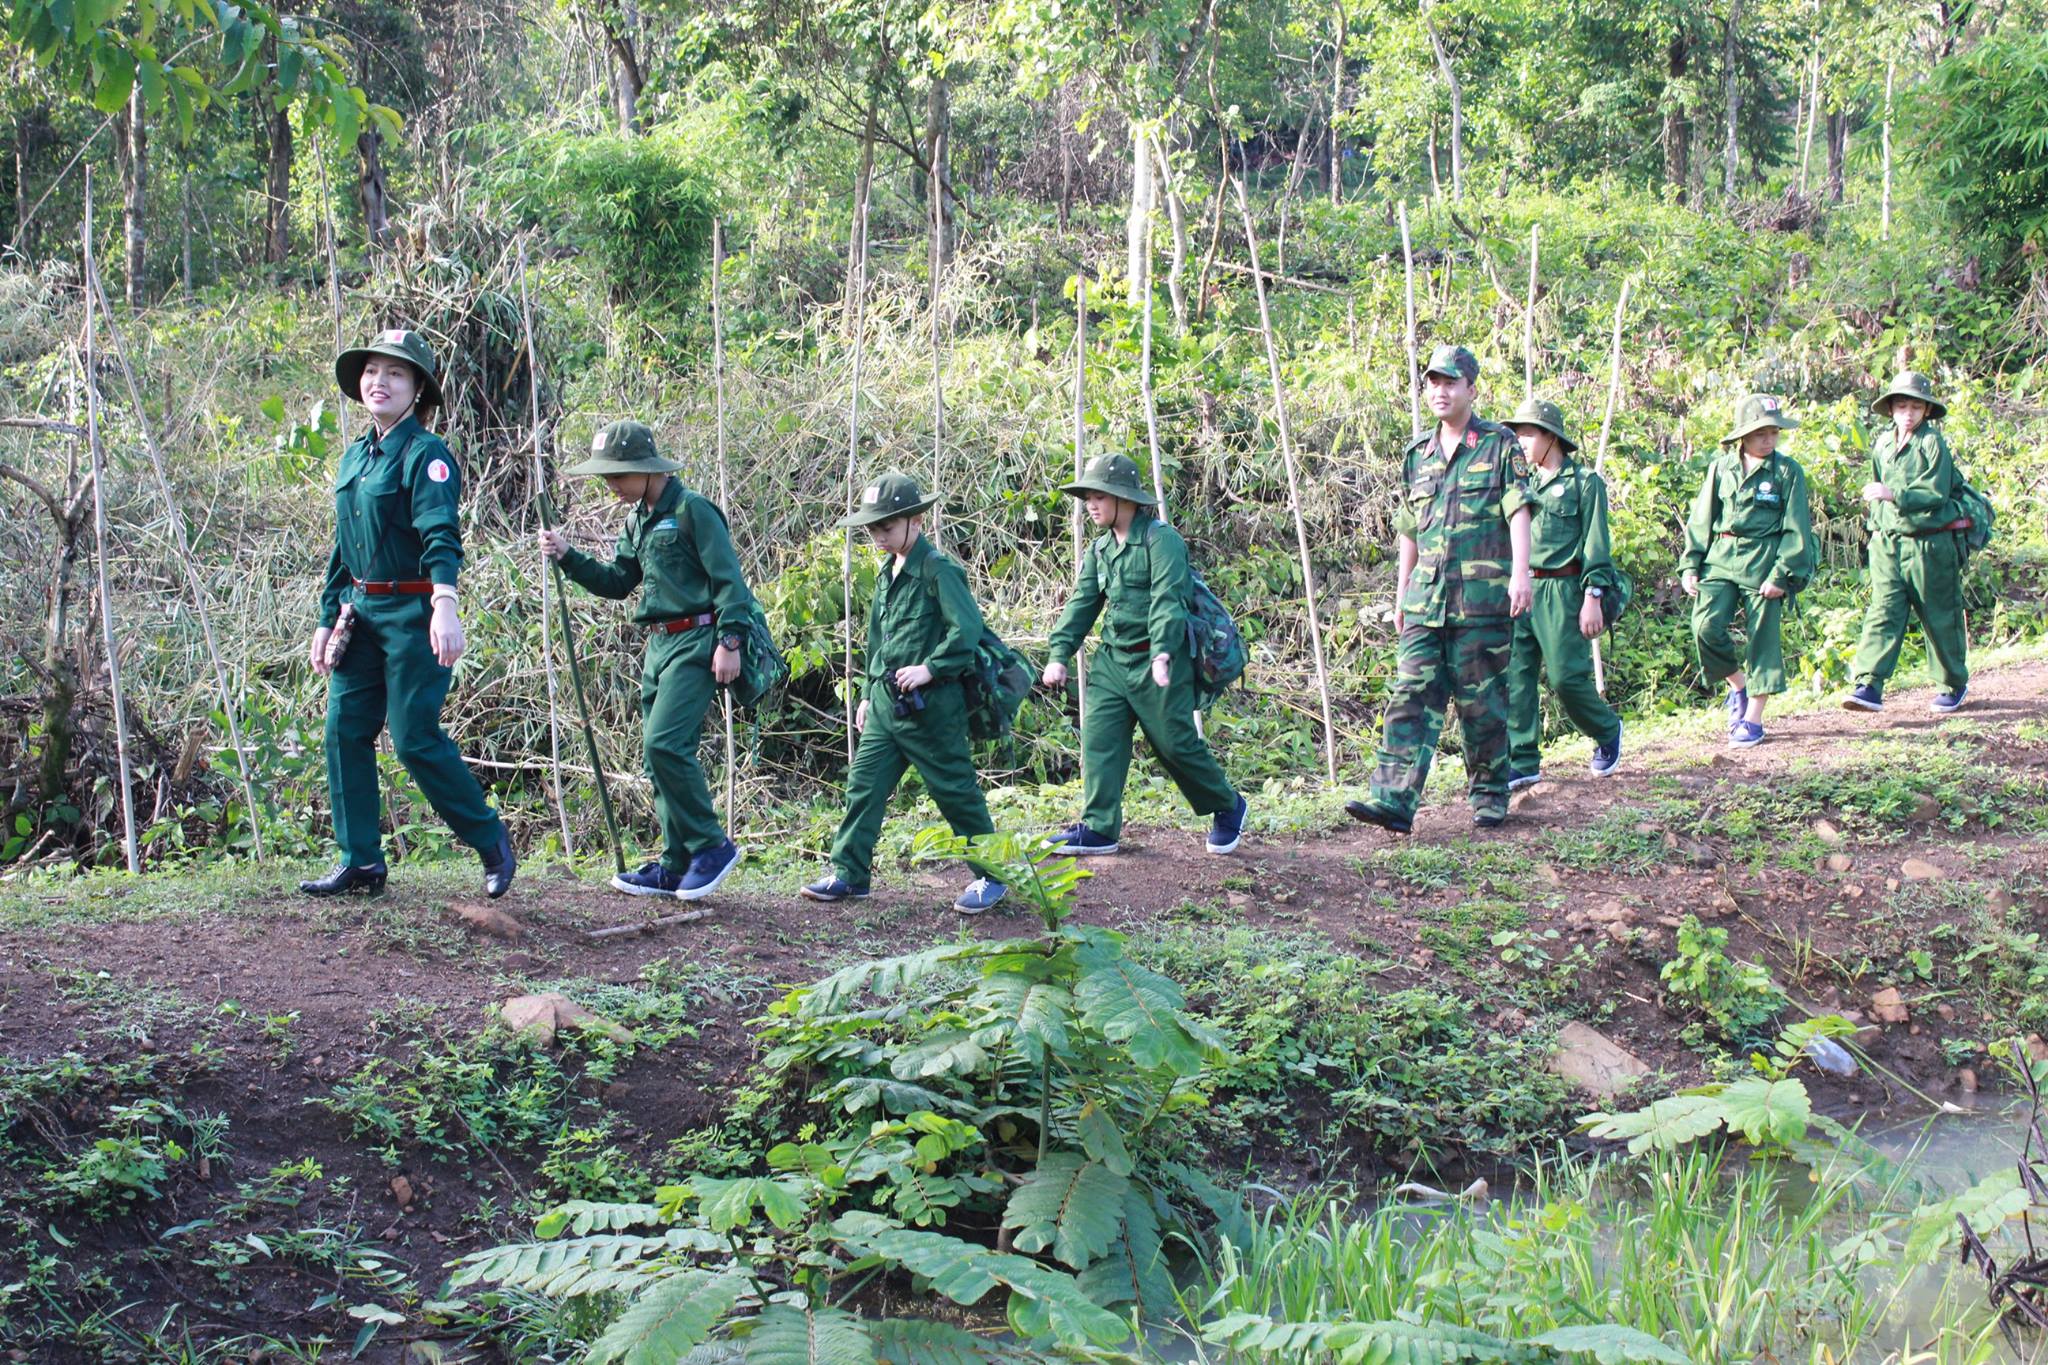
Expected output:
(1464, 574)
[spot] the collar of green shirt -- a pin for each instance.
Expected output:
(645, 516)
(1539, 477)
(395, 440)
(919, 552)
(1140, 533)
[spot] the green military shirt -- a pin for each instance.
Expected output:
(1921, 475)
(1144, 583)
(1457, 511)
(1752, 528)
(397, 503)
(682, 551)
(1570, 522)
(923, 613)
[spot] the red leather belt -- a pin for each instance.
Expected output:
(1570, 570)
(395, 587)
(681, 624)
(1959, 524)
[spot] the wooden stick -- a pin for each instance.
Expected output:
(1600, 451)
(718, 453)
(1414, 372)
(938, 268)
(201, 599)
(108, 634)
(1308, 578)
(860, 322)
(1529, 321)
(604, 791)
(648, 926)
(1145, 387)
(43, 424)
(1080, 463)
(1884, 231)
(547, 603)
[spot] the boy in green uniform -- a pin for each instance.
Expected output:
(696, 609)
(1748, 548)
(1572, 564)
(1135, 575)
(1463, 561)
(390, 592)
(923, 627)
(1916, 550)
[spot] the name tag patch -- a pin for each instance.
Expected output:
(665, 524)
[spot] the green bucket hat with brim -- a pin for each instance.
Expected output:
(887, 498)
(1116, 475)
(1910, 384)
(1756, 412)
(399, 343)
(624, 447)
(1535, 412)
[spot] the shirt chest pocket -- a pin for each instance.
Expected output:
(1479, 486)
(1559, 508)
(1422, 494)
(666, 551)
(1760, 507)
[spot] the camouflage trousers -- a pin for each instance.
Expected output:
(1465, 662)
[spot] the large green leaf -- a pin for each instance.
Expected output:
(1985, 1205)
(966, 1273)
(1767, 1112)
(1033, 1013)
(566, 1268)
(1669, 1123)
(787, 1335)
(581, 1216)
(945, 1054)
(1137, 1007)
(667, 1320)
(883, 976)
(906, 1341)
(1611, 1344)
(1072, 1204)
(729, 1204)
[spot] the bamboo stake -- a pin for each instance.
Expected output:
(201, 599)
(1414, 375)
(1529, 320)
(1884, 232)
(938, 267)
(1308, 578)
(860, 322)
(1600, 451)
(1145, 390)
(547, 603)
(1080, 463)
(718, 451)
(108, 635)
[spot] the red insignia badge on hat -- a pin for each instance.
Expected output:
(392, 338)
(439, 471)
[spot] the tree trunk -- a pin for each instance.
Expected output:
(135, 196)
(1336, 111)
(1177, 264)
(1677, 140)
(627, 79)
(373, 191)
(1838, 153)
(1436, 179)
(185, 229)
(277, 201)
(1732, 74)
(937, 135)
(1138, 223)
(1443, 62)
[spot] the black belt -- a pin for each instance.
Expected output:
(681, 624)
(1570, 570)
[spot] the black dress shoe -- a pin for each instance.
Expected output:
(347, 879)
(1370, 813)
(499, 864)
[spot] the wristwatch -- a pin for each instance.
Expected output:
(729, 641)
(1593, 593)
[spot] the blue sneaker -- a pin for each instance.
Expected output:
(1949, 701)
(833, 887)
(981, 893)
(1517, 781)
(708, 870)
(1226, 827)
(1607, 756)
(1865, 697)
(1746, 735)
(1738, 705)
(1079, 841)
(651, 880)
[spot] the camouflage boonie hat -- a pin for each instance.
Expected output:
(399, 343)
(1756, 412)
(1535, 412)
(1116, 475)
(887, 498)
(1453, 362)
(624, 447)
(1910, 384)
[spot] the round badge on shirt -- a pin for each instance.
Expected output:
(438, 471)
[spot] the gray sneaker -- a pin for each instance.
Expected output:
(981, 893)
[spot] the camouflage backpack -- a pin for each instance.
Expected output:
(1215, 645)
(1982, 516)
(762, 667)
(996, 687)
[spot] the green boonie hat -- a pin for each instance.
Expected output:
(1910, 384)
(399, 343)
(1754, 413)
(1453, 362)
(1116, 475)
(887, 498)
(624, 447)
(1535, 412)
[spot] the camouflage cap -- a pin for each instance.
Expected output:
(887, 498)
(624, 447)
(1453, 362)
(1910, 384)
(1116, 475)
(399, 343)
(1536, 412)
(1754, 413)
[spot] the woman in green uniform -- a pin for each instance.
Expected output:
(1135, 575)
(923, 627)
(1916, 550)
(1573, 565)
(696, 609)
(1748, 548)
(390, 631)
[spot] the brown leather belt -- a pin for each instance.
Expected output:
(1959, 524)
(1570, 570)
(396, 587)
(681, 624)
(1136, 647)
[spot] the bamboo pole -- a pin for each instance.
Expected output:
(1080, 463)
(1308, 578)
(1145, 390)
(718, 454)
(1529, 319)
(1884, 231)
(858, 303)
(1600, 451)
(547, 595)
(1414, 375)
(108, 633)
(201, 599)
(938, 270)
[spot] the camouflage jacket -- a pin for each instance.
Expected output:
(1457, 511)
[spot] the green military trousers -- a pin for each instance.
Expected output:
(675, 692)
(389, 675)
(1466, 662)
(1121, 697)
(1547, 644)
(1762, 659)
(1914, 575)
(934, 741)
